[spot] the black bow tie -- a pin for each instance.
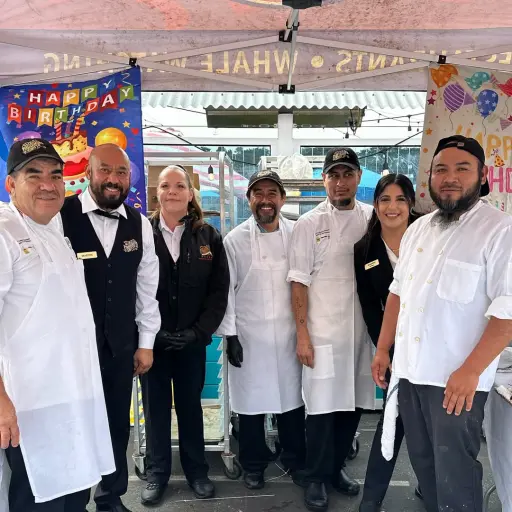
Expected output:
(109, 215)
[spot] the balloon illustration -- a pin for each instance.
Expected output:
(487, 102)
(506, 87)
(111, 136)
(442, 75)
(455, 97)
(478, 79)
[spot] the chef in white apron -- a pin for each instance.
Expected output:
(51, 395)
(333, 343)
(264, 374)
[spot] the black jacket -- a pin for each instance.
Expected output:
(194, 292)
(372, 283)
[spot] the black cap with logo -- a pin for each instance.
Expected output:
(24, 151)
(265, 175)
(469, 145)
(341, 156)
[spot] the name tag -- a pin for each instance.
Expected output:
(87, 255)
(372, 264)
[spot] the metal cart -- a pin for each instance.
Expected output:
(232, 468)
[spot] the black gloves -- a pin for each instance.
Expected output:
(176, 340)
(234, 351)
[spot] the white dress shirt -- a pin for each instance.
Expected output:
(172, 238)
(450, 281)
(147, 313)
(393, 258)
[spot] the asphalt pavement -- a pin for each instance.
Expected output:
(280, 494)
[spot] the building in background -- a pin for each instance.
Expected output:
(384, 128)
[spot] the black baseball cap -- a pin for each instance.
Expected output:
(341, 156)
(26, 150)
(265, 175)
(469, 145)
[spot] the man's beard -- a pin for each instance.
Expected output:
(265, 218)
(450, 210)
(341, 203)
(105, 202)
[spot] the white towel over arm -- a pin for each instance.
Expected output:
(390, 416)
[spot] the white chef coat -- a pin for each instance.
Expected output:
(259, 312)
(172, 238)
(147, 313)
(450, 282)
(322, 258)
(49, 360)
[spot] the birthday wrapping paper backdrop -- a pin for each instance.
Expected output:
(76, 117)
(475, 103)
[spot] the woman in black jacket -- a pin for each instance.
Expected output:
(192, 295)
(375, 257)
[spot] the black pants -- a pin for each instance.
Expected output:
(380, 470)
(254, 453)
(21, 498)
(186, 370)
(117, 376)
(443, 448)
(329, 438)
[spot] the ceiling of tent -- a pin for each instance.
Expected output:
(233, 45)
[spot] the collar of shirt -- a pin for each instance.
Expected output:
(337, 211)
(263, 230)
(165, 227)
(89, 204)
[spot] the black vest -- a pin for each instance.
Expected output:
(111, 282)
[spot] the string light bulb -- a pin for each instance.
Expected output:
(211, 175)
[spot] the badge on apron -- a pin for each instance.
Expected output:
(372, 264)
(87, 255)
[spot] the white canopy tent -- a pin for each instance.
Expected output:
(252, 45)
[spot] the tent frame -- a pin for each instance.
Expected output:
(290, 35)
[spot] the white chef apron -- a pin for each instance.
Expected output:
(269, 380)
(51, 372)
(341, 378)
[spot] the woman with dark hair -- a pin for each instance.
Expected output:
(192, 295)
(375, 257)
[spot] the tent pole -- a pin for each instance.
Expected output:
(320, 84)
(213, 49)
(370, 49)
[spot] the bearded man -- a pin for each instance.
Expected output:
(116, 245)
(264, 372)
(449, 315)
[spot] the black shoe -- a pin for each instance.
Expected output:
(119, 507)
(418, 492)
(346, 485)
(153, 493)
(315, 497)
(369, 506)
(298, 478)
(203, 488)
(254, 481)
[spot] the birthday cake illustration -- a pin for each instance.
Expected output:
(74, 149)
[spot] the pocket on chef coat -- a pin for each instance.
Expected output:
(459, 281)
(324, 363)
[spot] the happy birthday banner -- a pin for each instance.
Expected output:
(475, 103)
(76, 117)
